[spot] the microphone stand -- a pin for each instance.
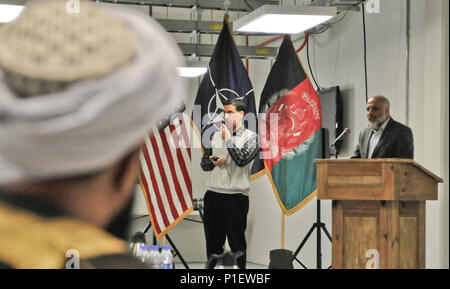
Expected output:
(336, 151)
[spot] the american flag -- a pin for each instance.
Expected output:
(165, 174)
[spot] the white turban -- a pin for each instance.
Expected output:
(94, 122)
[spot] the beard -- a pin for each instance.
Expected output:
(120, 223)
(376, 123)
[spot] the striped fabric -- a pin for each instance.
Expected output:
(165, 174)
(289, 151)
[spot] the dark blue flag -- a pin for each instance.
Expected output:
(226, 78)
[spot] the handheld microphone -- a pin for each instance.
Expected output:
(345, 132)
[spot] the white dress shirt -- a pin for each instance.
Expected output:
(375, 137)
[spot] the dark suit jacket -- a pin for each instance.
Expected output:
(395, 142)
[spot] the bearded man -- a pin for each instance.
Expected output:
(78, 94)
(384, 137)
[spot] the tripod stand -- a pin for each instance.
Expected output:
(177, 253)
(198, 206)
(318, 225)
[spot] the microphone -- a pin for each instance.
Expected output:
(344, 133)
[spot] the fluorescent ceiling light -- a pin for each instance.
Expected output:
(9, 12)
(276, 19)
(193, 69)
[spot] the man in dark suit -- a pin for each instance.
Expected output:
(384, 137)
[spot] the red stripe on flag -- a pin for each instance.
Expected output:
(299, 117)
(185, 134)
(174, 174)
(149, 201)
(164, 179)
(155, 186)
(180, 158)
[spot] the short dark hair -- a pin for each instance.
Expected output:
(238, 103)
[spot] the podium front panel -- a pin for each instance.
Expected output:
(392, 231)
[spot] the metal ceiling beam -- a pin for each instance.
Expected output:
(13, 2)
(200, 26)
(341, 5)
(187, 26)
(235, 5)
(253, 52)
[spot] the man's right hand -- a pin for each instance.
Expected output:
(219, 162)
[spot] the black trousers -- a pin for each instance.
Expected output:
(225, 215)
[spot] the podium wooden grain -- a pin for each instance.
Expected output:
(377, 204)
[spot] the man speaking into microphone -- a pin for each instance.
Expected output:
(384, 137)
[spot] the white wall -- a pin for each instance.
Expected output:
(337, 59)
(429, 115)
(445, 146)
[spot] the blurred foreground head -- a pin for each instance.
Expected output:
(78, 93)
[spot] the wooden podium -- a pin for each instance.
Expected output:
(377, 204)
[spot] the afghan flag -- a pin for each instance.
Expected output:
(226, 78)
(290, 130)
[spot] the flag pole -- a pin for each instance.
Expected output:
(282, 229)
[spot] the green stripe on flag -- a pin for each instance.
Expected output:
(295, 175)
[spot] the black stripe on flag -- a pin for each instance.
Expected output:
(286, 73)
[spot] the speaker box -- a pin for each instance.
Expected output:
(331, 103)
(325, 144)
